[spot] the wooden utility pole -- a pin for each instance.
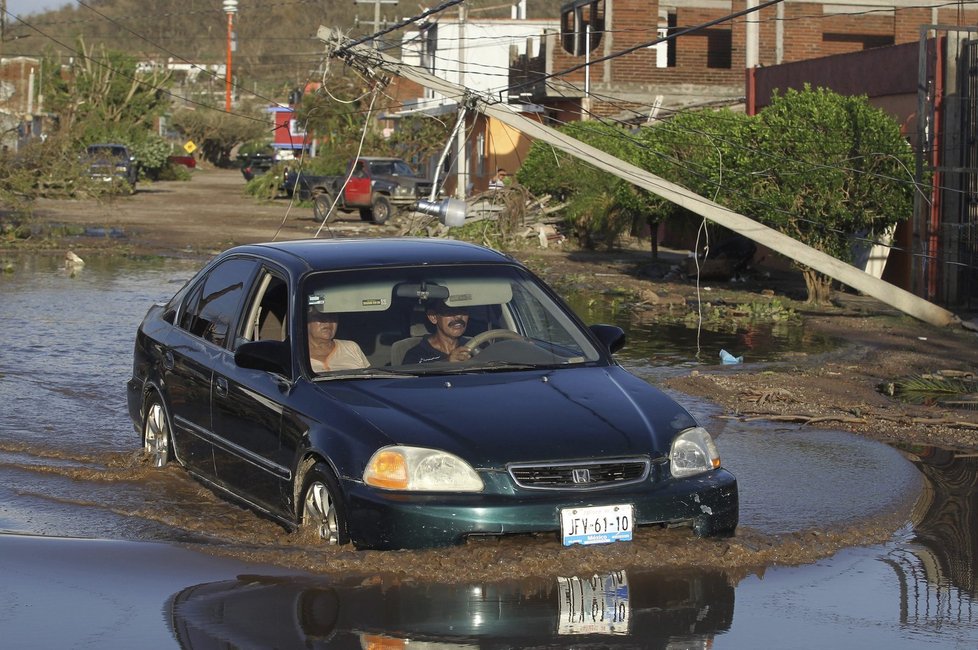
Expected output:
(369, 61)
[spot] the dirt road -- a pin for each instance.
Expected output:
(838, 389)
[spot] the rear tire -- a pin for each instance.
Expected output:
(156, 433)
(322, 506)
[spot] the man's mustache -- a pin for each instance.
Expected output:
(457, 321)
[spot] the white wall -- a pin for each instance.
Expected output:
(487, 45)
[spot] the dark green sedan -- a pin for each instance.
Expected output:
(410, 393)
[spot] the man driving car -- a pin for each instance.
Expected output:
(447, 342)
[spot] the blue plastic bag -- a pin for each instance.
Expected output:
(728, 359)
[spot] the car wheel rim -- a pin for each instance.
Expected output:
(320, 512)
(157, 436)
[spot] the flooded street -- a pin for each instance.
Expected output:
(99, 549)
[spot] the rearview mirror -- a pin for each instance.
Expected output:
(422, 291)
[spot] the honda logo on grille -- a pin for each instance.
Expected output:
(581, 475)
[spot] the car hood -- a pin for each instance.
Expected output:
(494, 418)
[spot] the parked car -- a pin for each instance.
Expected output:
(187, 161)
(256, 164)
(540, 431)
(376, 187)
(112, 163)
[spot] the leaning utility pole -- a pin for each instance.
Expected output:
(461, 139)
(369, 61)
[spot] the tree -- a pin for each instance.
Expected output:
(418, 139)
(700, 150)
(600, 205)
(828, 168)
(104, 95)
(820, 167)
(338, 124)
(216, 133)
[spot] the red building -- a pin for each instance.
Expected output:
(289, 139)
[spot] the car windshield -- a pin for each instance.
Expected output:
(501, 313)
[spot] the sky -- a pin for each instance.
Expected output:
(25, 7)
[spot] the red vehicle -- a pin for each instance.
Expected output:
(376, 187)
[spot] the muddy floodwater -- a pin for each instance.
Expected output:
(99, 550)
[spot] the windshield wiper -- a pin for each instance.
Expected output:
(364, 373)
(490, 366)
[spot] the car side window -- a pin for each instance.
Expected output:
(213, 305)
(267, 317)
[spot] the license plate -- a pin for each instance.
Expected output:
(596, 525)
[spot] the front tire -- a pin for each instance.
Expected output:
(381, 209)
(322, 506)
(321, 205)
(156, 433)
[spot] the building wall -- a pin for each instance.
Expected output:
(489, 46)
(18, 103)
(709, 67)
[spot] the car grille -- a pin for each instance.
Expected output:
(582, 475)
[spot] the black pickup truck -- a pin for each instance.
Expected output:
(377, 187)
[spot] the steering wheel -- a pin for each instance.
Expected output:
(489, 336)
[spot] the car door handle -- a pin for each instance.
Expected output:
(168, 361)
(222, 387)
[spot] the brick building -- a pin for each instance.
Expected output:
(702, 67)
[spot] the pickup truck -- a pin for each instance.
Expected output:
(377, 187)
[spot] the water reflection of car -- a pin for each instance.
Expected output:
(638, 611)
(112, 163)
(540, 431)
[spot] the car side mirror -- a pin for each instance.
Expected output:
(270, 356)
(610, 336)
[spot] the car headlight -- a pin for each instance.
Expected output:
(401, 190)
(693, 452)
(420, 470)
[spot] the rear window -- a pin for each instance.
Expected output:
(113, 152)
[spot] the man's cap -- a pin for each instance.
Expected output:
(439, 306)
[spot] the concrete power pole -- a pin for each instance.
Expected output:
(461, 139)
(752, 49)
(369, 61)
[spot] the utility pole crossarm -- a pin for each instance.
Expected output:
(366, 59)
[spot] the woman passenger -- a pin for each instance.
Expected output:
(327, 353)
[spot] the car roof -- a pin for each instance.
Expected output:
(333, 254)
